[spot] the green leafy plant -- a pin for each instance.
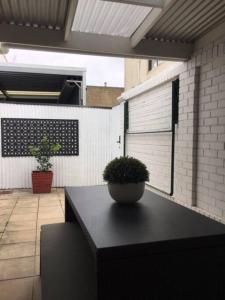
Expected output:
(43, 153)
(125, 170)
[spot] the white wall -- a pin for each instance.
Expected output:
(117, 130)
(94, 147)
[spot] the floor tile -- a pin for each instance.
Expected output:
(17, 268)
(25, 210)
(37, 265)
(7, 196)
(22, 191)
(50, 197)
(4, 219)
(53, 192)
(37, 288)
(21, 225)
(27, 203)
(49, 203)
(22, 236)
(61, 196)
(5, 211)
(17, 289)
(38, 234)
(9, 203)
(49, 221)
(2, 227)
(49, 209)
(50, 215)
(28, 197)
(20, 240)
(17, 250)
(37, 247)
(23, 217)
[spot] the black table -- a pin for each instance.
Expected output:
(154, 249)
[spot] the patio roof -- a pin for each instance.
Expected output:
(165, 29)
(31, 82)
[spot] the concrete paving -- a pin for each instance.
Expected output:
(21, 216)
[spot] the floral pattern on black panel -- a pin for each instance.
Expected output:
(18, 134)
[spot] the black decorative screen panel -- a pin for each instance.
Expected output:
(18, 134)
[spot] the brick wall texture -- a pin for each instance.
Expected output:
(200, 134)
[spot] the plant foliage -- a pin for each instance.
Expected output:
(43, 153)
(125, 170)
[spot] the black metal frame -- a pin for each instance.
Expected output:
(19, 133)
(125, 125)
(174, 121)
(175, 115)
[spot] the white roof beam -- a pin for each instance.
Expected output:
(71, 10)
(89, 43)
(149, 22)
(151, 3)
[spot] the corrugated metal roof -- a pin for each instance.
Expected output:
(187, 20)
(95, 16)
(36, 13)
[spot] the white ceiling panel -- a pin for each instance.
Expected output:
(117, 19)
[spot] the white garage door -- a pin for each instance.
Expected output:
(149, 137)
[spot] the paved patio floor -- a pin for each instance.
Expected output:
(21, 216)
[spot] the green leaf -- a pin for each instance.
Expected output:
(43, 153)
(125, 170)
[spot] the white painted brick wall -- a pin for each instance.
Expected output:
(207, 191)
(200, 133)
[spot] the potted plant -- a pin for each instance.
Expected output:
(126, 178)
(42, 178)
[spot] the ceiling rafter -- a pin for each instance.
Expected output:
(71, 11)
(151, 19)
(151, 3)
(90, 43)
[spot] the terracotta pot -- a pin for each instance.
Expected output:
(42, 181)
(126, 193)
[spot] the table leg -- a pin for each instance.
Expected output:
(69, 214)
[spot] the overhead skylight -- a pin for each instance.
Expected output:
(117, 19)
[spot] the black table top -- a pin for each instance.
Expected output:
(153, 220)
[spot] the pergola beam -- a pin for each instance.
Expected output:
(5, 94)
(151, 3)
(151, 19)
(71, 11)
(88, 43)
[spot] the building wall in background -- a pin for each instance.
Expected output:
(103, 96)
(137, 71)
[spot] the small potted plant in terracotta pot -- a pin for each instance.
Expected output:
(126, 178)
(42, 178)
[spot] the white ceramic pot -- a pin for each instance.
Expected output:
(126, 193)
